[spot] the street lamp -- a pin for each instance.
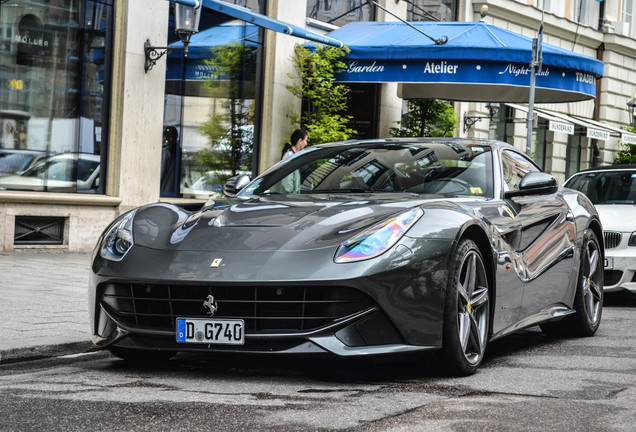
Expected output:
(187, 14)
(632, 111)
(186, 21)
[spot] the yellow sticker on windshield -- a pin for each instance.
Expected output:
(475, 190)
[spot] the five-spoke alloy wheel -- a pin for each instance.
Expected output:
(467, 311)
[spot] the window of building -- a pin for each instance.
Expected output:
(427, 10)
(340, 12)
(626, 25)
(586, 12)
(54, 71)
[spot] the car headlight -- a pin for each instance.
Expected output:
(632, 240)
(118, 239)
(377, 239)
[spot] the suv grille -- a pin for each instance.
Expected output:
(612, 239)
(263, 308)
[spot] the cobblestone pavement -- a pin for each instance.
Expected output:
(43, 304)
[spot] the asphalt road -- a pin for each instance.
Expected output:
(529, 382)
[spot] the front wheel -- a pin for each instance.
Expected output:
(466, 311)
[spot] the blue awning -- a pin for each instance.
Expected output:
(242, 13)
(480, 62)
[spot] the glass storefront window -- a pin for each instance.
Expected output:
(210, 110)
(54, 59)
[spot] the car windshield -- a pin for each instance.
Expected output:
(606, 187)
(444, 167)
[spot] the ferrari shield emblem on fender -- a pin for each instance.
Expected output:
(216, 262)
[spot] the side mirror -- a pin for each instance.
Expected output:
(234, 184)
(535, 183)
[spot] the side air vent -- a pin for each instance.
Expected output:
(38, 230)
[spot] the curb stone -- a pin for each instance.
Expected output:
(45, 351)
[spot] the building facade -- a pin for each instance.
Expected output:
(105, 134)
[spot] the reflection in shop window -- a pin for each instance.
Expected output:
(53, 69)
(217, 101)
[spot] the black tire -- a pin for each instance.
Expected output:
(466, 312)
(141, 356)
(588, 299)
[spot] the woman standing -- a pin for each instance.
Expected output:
(297, 142)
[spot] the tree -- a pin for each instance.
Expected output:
(427, 117)
(628, 154)
(324, 100)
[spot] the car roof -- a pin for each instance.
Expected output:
(619, 167)
(421, 140)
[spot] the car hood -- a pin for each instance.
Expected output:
(617, 217)
(266, 224)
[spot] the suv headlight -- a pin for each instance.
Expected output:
(632, 240)
(118, 239)
(377, 239)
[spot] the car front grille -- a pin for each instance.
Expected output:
(265, 309)
(612, 239)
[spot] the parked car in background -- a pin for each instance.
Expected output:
(209, 186)
(16, 161)
(612, 189)
(65, 172)
(363, 248)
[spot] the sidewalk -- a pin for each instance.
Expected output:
(43, 304)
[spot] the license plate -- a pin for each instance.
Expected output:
(609, 263)
(210, 331)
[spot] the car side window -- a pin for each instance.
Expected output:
(514, 167)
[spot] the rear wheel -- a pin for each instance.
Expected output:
(588, 300)
(466, 311)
